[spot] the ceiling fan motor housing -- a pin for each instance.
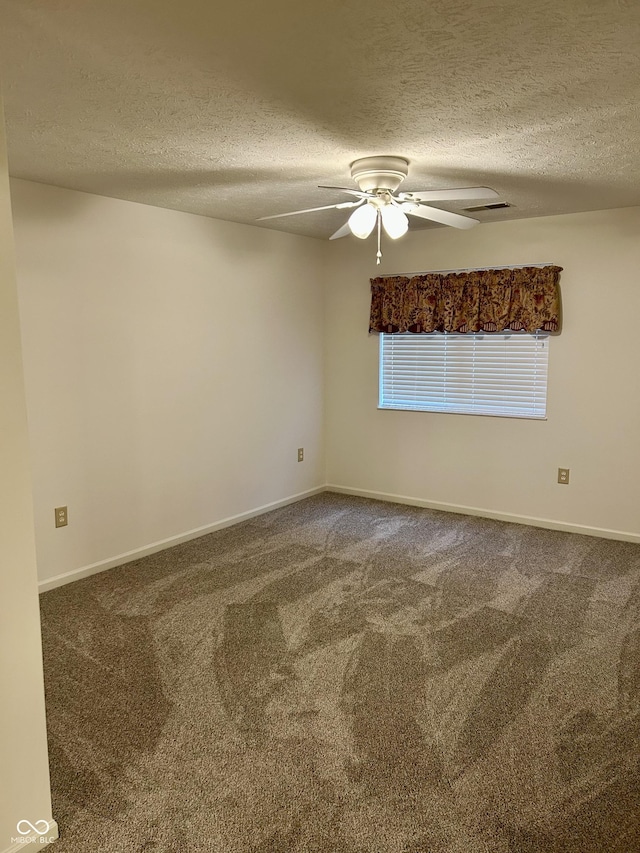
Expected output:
(379, 173)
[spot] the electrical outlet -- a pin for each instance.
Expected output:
(563, 476)
(62, 518)
(301, 454)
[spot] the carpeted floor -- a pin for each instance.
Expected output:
(348, 676)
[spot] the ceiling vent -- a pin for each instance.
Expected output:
(498, 205)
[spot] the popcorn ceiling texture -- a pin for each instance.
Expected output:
(238, 111)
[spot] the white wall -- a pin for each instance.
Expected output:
(500, 465)
(24, 769)
(173, 366)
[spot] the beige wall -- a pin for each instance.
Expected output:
(173, 366)
(500, 465)
(24, 771)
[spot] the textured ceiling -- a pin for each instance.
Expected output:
(240, 110)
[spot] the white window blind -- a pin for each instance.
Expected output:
(502, 374)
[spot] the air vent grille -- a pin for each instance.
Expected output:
(498, 205)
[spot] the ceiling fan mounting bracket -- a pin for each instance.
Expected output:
(379, 173)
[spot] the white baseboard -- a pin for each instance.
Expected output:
(121, 559)
(154, 547)
(548, 523)
(33, 841)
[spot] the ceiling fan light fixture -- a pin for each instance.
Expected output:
(378, 204)
(362, 221)
(394, 221)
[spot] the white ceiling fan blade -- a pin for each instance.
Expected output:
(341, 206)
(445, 217)
(449, 195)
(341, 232)
(359, 193)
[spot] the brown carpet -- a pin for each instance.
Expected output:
(348, 676)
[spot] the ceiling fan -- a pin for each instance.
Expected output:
(378, 204)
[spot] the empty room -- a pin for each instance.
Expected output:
(320, 458)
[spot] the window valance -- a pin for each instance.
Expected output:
(491, 300)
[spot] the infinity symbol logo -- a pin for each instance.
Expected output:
(24, 827)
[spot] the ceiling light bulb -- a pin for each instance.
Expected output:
(362, 221)
(395, 222)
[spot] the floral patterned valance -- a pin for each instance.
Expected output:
(523, 299)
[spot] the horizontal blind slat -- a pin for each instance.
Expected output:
(478, 374)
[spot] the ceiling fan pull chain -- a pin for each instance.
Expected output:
(379, 255)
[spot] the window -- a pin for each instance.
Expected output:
(502, 374)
